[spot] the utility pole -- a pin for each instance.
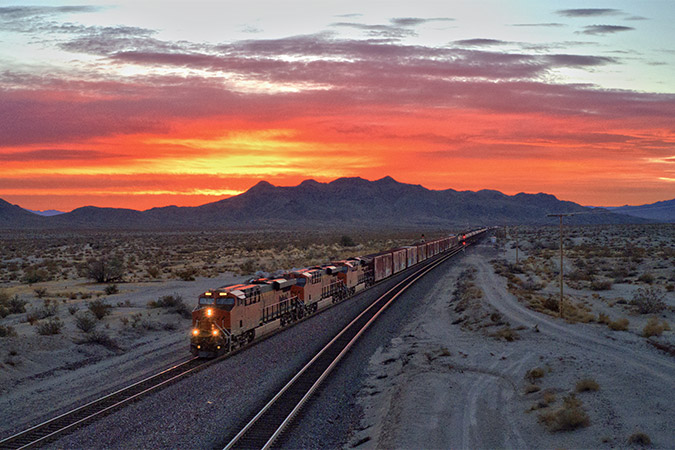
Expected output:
(516, 245)
(560, 216)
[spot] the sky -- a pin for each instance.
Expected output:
(138, 104)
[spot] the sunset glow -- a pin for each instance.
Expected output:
(144, 104)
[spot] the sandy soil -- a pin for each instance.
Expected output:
(452, 380)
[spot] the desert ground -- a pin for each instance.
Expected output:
(66, 338)
(486, 363)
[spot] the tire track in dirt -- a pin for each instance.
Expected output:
(508, 305)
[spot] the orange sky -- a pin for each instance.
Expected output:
(136, 121)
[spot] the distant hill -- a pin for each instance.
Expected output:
(352, 202)
(47, 212)
(660, 211)
(13, 216)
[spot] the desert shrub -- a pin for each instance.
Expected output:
(569, 417)
(99, 308)
(587, 384)
(530, 388)
(506, 333)
(111, 289)
(49, 327)
(646, 278)
(35, 275)
(552, 303)
(85, 321)
(136, 319)
(648, 300)
(7, 331)
(99, 338)
(619, 325)
(670, 287)
(40, 292)
(104, 270)
(545, 401)
(172, 302)
(150, 325)
(534, 374)
(72, 309)
(187, 274)
(347, 241)
(639, 438)
(598, 285)
(49, 308)
(579, 275)
(654, 327)
(603, 318)
(11, 305)
(249, 266)
(153, 271)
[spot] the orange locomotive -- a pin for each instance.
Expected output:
(231, 316)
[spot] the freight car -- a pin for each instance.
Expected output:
(231, 316)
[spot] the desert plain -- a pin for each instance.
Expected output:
(486, 361)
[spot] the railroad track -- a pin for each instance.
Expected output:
(268, 424)
(47, 431)
(51, 429)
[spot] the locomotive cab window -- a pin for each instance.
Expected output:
(227, 303)
(206, 300)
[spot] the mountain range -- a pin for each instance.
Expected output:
(660, 211)
(351, 202)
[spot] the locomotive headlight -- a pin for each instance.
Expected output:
(209, 312)
(215, 332)
(195, 332)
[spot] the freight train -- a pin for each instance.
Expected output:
(231, 316)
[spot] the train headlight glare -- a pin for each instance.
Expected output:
(209, 312)
(195, 332)
(215, 332)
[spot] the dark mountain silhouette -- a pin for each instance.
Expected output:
(660, 211)
(13, 216)
(352, 202)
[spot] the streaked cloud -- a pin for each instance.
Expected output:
(479, 42)
(56, 154)
(588, 12)
(605, 29)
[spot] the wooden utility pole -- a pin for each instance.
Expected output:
(560, 216)
(516, 245)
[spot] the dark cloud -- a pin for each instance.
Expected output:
(54, 155)
(414, 21)
(479, 42)
(605, 29)
(588, 12)
(579, 60)
(21, 12)
(31, 19)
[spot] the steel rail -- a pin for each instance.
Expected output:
(51, 428)
(250, 437)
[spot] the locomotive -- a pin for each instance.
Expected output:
(231, 316)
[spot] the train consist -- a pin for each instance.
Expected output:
(231, 316)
